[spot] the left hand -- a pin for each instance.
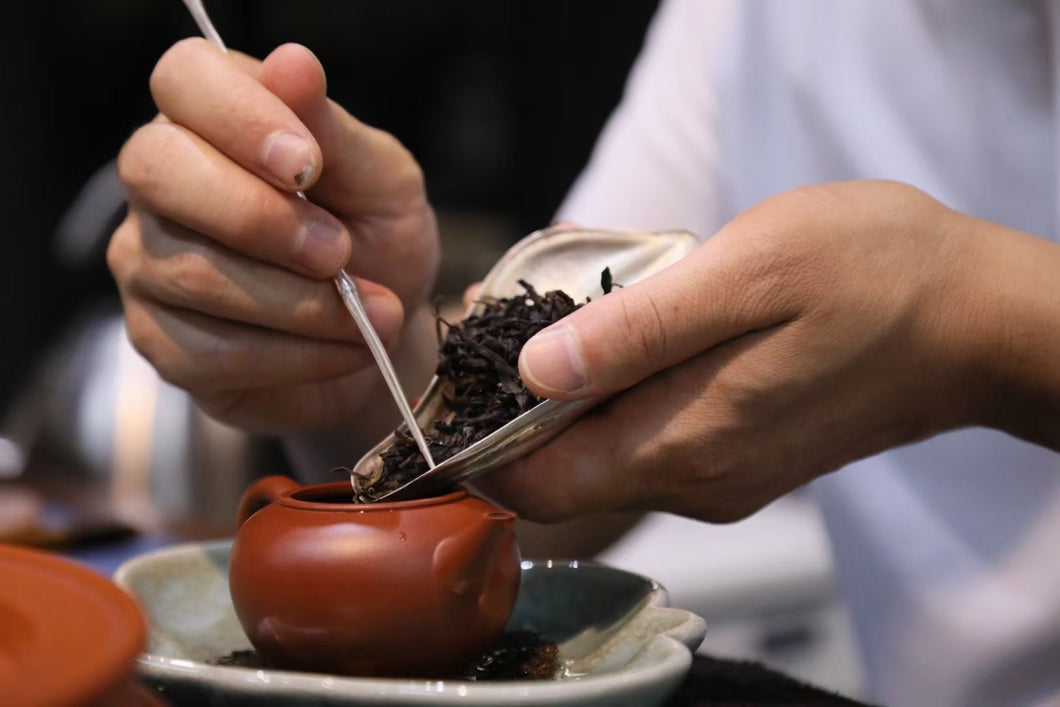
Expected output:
(821, 326)
(225, 274)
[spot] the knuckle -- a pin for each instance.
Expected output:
(411, 176)
(148, 160)
(406, 176)
(315, 307)
(194, 280)
(131, 164)
(388, 143)
(174, 61)
(121, 250)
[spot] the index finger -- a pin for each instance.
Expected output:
(216, 97)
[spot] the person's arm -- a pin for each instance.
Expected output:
(819, 327)
(226, 274)
(1019, 279)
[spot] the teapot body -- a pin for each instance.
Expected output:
(413, 589)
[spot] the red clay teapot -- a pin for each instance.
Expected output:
(415, 588)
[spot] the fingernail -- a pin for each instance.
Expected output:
(552, 360)
(289, 158)
(321, 247)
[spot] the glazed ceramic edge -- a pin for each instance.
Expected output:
(663, 663)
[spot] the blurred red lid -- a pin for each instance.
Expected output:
(67, 634)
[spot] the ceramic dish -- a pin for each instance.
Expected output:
(619, 643)
(67, 634)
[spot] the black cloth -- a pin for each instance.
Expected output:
(730, 683)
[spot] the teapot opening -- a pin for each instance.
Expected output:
(339, 496)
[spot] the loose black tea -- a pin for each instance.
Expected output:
(479, 361)
(518, 655)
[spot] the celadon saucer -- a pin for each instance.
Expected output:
(619, 644)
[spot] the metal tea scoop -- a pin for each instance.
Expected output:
(554, 259)
(343, 282)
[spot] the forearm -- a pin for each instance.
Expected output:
(313, 454)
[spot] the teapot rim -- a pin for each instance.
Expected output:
(296, 498)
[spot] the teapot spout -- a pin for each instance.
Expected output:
(505, 519)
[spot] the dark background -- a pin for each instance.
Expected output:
(500, 101)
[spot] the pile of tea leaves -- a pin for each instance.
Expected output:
(479, 365)
(517, 655)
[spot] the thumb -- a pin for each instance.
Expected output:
(624, 337)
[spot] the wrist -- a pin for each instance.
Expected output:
(1015, 316)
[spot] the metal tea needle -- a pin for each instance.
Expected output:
(343, 282)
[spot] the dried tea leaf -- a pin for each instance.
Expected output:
(479, 363)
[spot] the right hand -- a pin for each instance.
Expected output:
(820, 326)
(225, 273)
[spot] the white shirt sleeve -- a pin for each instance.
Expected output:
(655, 165)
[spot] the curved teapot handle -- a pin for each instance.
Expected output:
(261, 493)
